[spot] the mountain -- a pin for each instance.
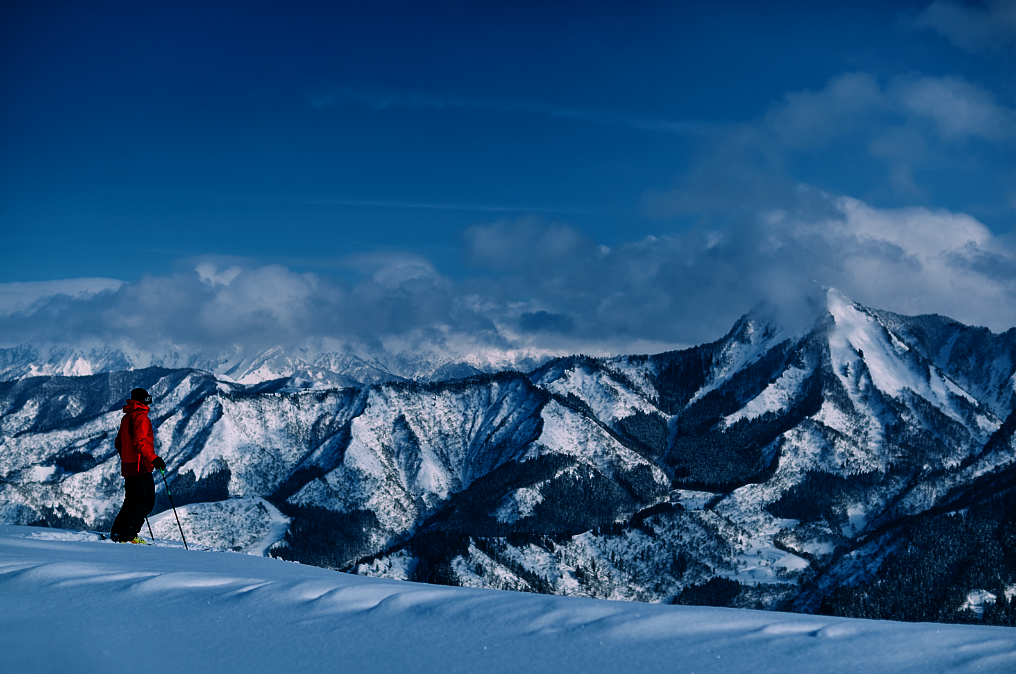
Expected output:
(804, 468)
(307, 366)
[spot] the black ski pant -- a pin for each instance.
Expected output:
(138, 501)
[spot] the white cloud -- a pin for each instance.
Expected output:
(19, 296)
(917, 260)
(898, 139)
(212, 275)
(545, 285)
(391, 268)
(689, 289)
(855, 101)
(807, 118)
(957, 108)
(975, 28)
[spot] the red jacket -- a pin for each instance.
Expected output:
(136, 440)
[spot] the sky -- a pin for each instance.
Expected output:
(597, 177)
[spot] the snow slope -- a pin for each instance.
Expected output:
(74, 604)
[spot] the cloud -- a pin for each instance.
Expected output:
(988, 27)
(887, 136)
(808, 119)
(690, 288)
(916, 260)
(523, 243)
(211, 274)
(957, 108)
(20, 296)
(751, 233)
(545, 285)
(390, 267)
(544, 321)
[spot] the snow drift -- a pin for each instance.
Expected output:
(72, 603)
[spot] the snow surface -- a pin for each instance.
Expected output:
(759, 561)
(775, 398)
(755, 340)
(609, 399)
(519, 504)
(72, 603)
(886, 358)
(691, 500)
(976, 601)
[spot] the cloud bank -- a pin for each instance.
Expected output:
(990, 27)
(545, 285)
(21, 296)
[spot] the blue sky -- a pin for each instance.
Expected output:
(580, 168)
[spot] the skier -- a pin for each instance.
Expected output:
(136, 444)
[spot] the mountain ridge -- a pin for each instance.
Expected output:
(787, 463)
(305, 366)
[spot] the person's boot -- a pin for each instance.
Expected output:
(137, 540)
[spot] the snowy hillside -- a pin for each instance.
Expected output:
(72, 603)
(772, 468)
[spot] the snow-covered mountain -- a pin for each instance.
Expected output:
(774, 467)
(319, 366)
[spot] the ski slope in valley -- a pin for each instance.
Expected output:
(73, 603)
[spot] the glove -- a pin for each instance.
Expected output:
(158, 463)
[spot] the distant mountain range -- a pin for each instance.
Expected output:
(862, 464)
(305, 367)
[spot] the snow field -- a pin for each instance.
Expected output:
(565, 432)
(891, 364)
(978, 599)
(610, 400)
(83, 606)
(775, 398)
(759, 561)
(519, 504)
(410, 451)
(414, 445)
(690, 499)
(640, 374)
(737, 353)
(314, 361)
(642, 565)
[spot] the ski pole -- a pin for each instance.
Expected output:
(168, 493)
(150, 529)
